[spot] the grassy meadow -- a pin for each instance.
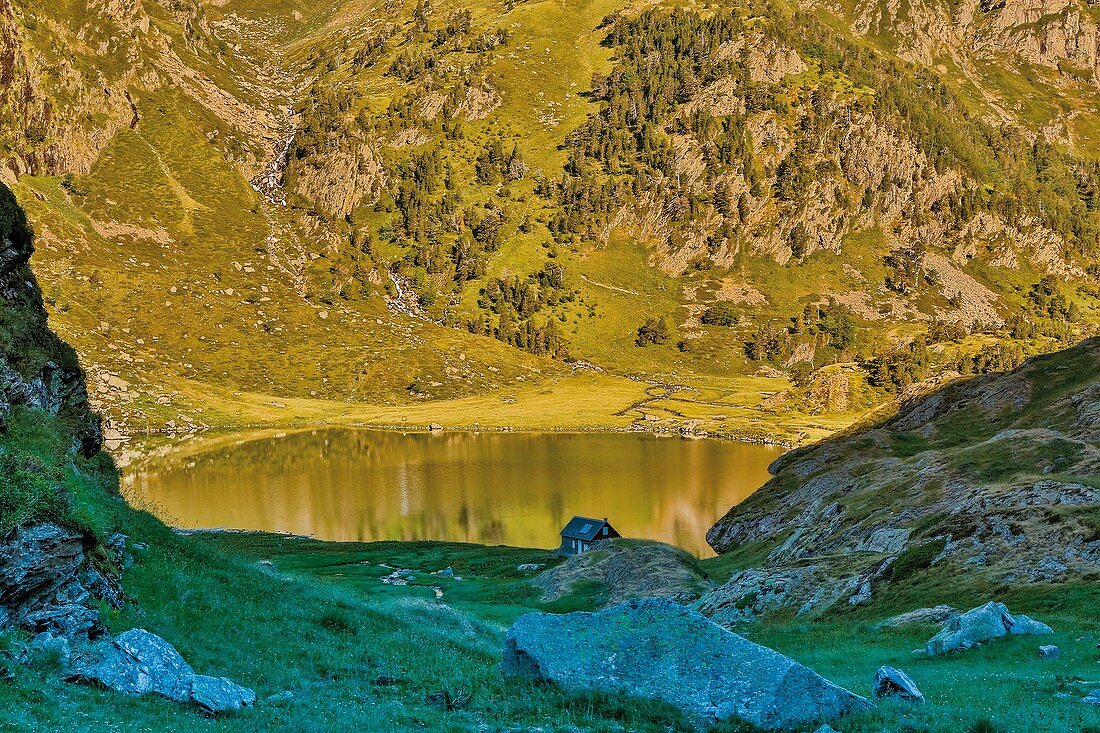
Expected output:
(314, 619)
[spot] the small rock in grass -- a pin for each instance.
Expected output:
(1049, 651)
(278, 697)
(530, 567)
(892, 682)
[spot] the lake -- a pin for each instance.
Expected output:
(490, 488)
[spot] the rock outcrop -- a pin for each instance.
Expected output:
(980, 625)
(914, 491)
(658, 649)
(137, 662)
(48, 583)
(37, 369)
(627, 571)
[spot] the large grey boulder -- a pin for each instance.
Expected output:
(138, 662)
(655, 648)
(979, 625)
(892, 682)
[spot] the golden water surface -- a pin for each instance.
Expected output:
(490, 488)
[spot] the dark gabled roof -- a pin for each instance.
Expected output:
(583, 528)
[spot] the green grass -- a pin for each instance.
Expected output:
(285, 614)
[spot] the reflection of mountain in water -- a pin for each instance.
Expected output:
(515, 489)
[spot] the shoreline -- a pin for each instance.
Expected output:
(122, 438)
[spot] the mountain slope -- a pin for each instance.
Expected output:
(774, 216)
(993, 478)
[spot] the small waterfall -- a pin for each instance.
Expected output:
(269, 183)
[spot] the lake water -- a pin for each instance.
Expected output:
(490, 488)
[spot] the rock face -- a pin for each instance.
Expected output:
(979, 625)
(628, 571)
(137, 662)
(892, 682)
(37, 369)
(47, 583)
(655, 648)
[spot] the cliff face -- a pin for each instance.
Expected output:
(70, 80)
(37, 369)
(993, 476)
(1058, 34)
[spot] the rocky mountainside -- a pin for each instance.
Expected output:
(38, 371)
(771, 210)
(49, 440)
(993, 478)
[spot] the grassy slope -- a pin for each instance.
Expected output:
(191, 355)
(357, 653)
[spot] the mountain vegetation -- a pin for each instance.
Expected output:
(262, 213)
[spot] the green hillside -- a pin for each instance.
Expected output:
(756, 219)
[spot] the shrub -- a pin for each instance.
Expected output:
(653, 331)
(915, 559)
(720, 314)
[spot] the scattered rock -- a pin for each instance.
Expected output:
(979, 625)
(447, 572)
(279, 697)
(530, 567)
(892, 682)
(1049, 651)
(655, 648)
(137, 662)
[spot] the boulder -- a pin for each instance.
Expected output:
(892, 682)
(220, 695)
(138, 662)
(658, 649)
(1022, 625)
(979, 625)
(1049, 651)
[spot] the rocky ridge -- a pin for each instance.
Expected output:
(986, 476)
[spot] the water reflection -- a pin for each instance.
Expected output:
(492, 488)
